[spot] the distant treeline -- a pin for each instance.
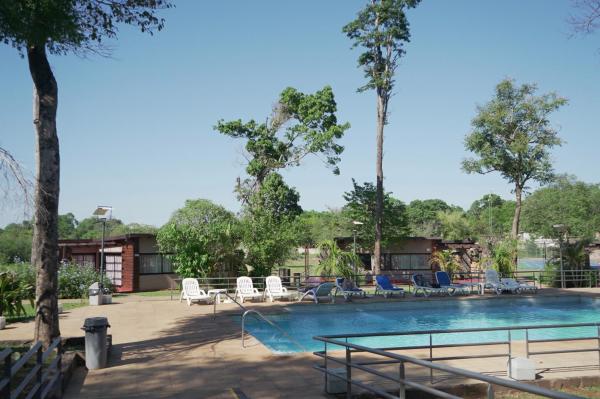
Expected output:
(566, 201)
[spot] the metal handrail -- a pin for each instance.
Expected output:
(490, 380)
(462, 330)
(261, 316)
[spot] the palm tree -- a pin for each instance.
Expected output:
(335, 261)
(445, 260)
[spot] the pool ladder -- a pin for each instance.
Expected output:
(260, 316)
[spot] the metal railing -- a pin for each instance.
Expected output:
(539, 278)
(42, 378)
(403, 382)
(260, 316)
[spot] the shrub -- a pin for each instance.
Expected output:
(13, 292)
(74, 280)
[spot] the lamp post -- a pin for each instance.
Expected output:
(354, 231)
(103, 213)
(561, 228)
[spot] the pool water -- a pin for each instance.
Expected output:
(304, 322)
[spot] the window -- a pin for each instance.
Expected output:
(155, 264)
(85, 260)
(409, 262)
(114, 270)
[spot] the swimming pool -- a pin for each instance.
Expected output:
(303, 322)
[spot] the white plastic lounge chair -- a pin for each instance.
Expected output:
(443, 279)
(245, 289)
(425, 287)
(517, 286)
(191, 292)
(385, 286)
(275, 289)
(347, 288)
(321, 291)
(493, 281)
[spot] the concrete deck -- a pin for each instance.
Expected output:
(165, 349)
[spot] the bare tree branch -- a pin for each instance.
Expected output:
(15, 186)
(586, 18)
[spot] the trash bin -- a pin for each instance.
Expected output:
(95, 294)
(95, 342)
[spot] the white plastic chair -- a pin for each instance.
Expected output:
(518, 287)
(274, 289)
(191, 292)
(245, 289)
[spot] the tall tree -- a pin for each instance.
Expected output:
(512, 135)
(382, 29)
(300, 125)
(36, 28)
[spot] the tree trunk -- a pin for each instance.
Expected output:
(44, 249)
(514, 233)
(381, 111)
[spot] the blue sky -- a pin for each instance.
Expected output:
(136, 129)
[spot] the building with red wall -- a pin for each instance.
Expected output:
(133, 262)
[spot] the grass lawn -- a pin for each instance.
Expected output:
(30, 311)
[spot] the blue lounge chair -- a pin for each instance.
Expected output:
(348, 289)
(444, 281)
(320, 291)
(385, 286)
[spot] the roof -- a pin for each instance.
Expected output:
(107, 240)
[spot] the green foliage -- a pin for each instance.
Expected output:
(491, 216)
(336, 262)
(13, 291)
(67, 226)
(15, 242)
(133, 228)
(75, 280)
(360, 206)
(301, 124)
(512, 134)
(423, 216)
(320, 226)
(446, 261)
(566, 201)
(454, 226)
(202, 236)
(381, 29)
(574, 266)
(501, 256)
(69, 25)
(270, 225)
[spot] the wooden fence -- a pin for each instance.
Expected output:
(34, 375)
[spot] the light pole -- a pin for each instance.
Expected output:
(354, 231)
(103, 213)
(561, 228)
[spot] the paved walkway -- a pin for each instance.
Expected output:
(165, 349)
